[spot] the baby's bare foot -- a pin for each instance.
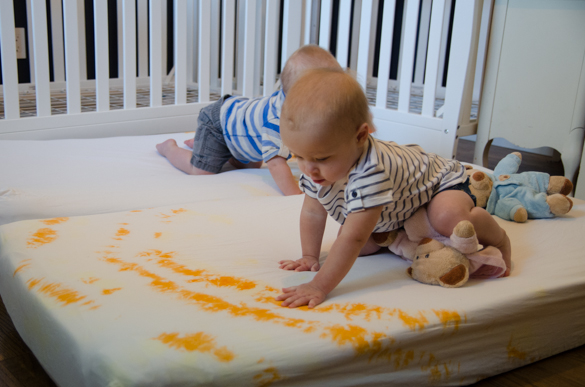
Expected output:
(189, 142)
(163, 147)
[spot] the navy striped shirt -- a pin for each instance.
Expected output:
(401, 178)
(251, 127)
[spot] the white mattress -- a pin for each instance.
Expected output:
(184, 295)
(45, 179)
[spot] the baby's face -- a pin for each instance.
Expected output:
(323, 156)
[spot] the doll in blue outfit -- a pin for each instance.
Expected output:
(527, 195)
(244, 131)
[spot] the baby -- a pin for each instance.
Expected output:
(369, 186)
(246, 131)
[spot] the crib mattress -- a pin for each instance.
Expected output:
(44, 179)
(184, 295)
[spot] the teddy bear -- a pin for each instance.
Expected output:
(440, 260)
(520, 196)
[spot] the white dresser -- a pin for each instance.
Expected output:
(534, 86)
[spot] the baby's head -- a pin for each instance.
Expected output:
(305, 58)
(325, 122)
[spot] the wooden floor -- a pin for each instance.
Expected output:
(19, 367)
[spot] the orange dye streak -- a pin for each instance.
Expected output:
(50, 222)
(110, 291)
(166, 261)
(57, 291)
(157, 234)
(199, 342)
(122, 232)
(413, 322)
(90, 280)
(449, 318)
(513, 352)
(22, 266)
(267, 377)
(41, 237)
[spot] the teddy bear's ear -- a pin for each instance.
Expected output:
(455, 277)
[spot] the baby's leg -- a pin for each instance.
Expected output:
(179, 157)
(450, 207)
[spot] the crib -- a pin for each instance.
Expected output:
(421, 62)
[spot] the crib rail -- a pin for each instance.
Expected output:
(398, 50)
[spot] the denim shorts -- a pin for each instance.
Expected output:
(210, 151)
(463, 187)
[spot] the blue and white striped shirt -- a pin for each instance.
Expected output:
(251, 127)
(401, 178)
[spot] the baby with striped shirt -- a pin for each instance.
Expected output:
(367, 185)
(246, 132)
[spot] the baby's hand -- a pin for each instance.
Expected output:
(305, 294)
(303, 264)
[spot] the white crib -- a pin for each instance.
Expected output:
(233, 47)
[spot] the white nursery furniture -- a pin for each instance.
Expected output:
(534, 86)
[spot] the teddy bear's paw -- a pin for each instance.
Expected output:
(520, 216)
(559, 184)
(559, 204)
(385, 239)
(464, 229)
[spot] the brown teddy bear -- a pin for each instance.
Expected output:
(440, 260)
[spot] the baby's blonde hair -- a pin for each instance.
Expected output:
(326, 98)
(305, 58)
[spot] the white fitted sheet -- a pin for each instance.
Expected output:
(184, 295)
(44, 179)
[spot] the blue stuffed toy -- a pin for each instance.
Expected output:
(520, 196)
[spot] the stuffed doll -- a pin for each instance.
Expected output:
(520, 196)
(441, 260)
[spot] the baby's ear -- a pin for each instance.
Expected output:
(362, 133)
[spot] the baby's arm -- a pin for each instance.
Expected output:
(313, 219)
(356, 231)
(283, 176)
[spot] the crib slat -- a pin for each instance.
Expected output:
(155, 53)
(308, 22)
(227, 46)
(325, 24)
(385, 53)
(41, 50)
(30, 42)
(271, 46)
(9, 68)
(81, 38)
(102, 63)
(355, 33)
(249, 49)
(423, 37)
(215, 25)
(72, 64)
(120, 34)
(142, 38)
(129, 36)
(57, 40)
(291, 29)
(407, 60)
(343, 32)
(180, 17)
(434, 50)
(204, 49)
(364, 43)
